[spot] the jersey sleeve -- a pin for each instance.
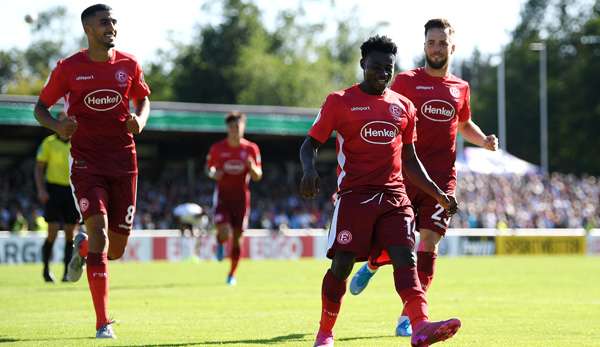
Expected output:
(465, 112)
(139, 88)
(256, 155)
(325, 123)
(211, 157)
(399, 84)
(56, 86)
(410, 132)
(43, 152)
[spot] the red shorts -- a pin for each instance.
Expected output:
(234, 213)
(113, 196)
(366, 223)
(429, 214)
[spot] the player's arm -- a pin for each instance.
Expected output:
(472, 133)
(138, 119)
(210, 169)
(309, 184)
(418, 176)
(254, 170)
(38, 174)
(64, 128)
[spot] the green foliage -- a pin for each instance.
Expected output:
(573, 67)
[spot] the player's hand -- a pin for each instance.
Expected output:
(218, 175)
(134, 125)
(250, 163)
(43, 196)
(66, 127)
(309, 184)
(449, 203)
(491, 143)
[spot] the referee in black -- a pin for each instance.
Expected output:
(54, 192)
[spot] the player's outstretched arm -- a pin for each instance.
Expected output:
(309, 184)
(137, 121)
(472, 133)
(417, 174)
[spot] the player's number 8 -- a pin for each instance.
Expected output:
(129, 216)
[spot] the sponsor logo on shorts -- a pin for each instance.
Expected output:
(424, 87)
(379, 132)
(234, 167)
(103, 99)
(438, 110)
(344, 237)
(84, 204)
(360, 108)
(454, 92)
(218, 218)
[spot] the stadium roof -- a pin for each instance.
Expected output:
(189, 117)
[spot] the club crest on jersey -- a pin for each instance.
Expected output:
(438, 110)
(344, 237)
(234, 167)
(103, 99)
(121, 76)
(396, 111)
(455, 92)
(379, 132)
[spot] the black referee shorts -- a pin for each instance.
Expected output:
(60, 207)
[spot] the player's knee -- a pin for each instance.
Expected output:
(114, 254)
(402, 256)
(342, 264)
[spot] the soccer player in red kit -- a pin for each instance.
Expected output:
(97, 85)
(232, 162)
(375, 130)
(443, 107)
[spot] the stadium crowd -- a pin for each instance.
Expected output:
(486, 201)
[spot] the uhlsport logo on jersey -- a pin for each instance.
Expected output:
(103, 99)
(234, 166)
(379, 132)
(438, 110)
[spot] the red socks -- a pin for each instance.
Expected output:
(408, 287)
(235, 259)
(97, 274)
(426, 268)
(332, 292)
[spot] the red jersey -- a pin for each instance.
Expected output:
(371, 130)
(441, 103)
(97, 96)
(232, 160)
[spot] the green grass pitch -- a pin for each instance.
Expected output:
(502, 301)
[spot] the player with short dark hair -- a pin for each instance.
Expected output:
(375, 130)
(232, 162)
(51, 176)
(443, 108)
(97, 85)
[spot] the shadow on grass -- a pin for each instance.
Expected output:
(361, 338)
(272, 341)
(4, 339)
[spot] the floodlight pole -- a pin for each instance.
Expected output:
(502, 101)
(541, 47)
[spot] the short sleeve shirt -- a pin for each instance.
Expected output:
(97, 96)
(370, 132)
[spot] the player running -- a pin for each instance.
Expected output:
(443, 107)
(97, 85)
(375, 130)
(232, 162)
